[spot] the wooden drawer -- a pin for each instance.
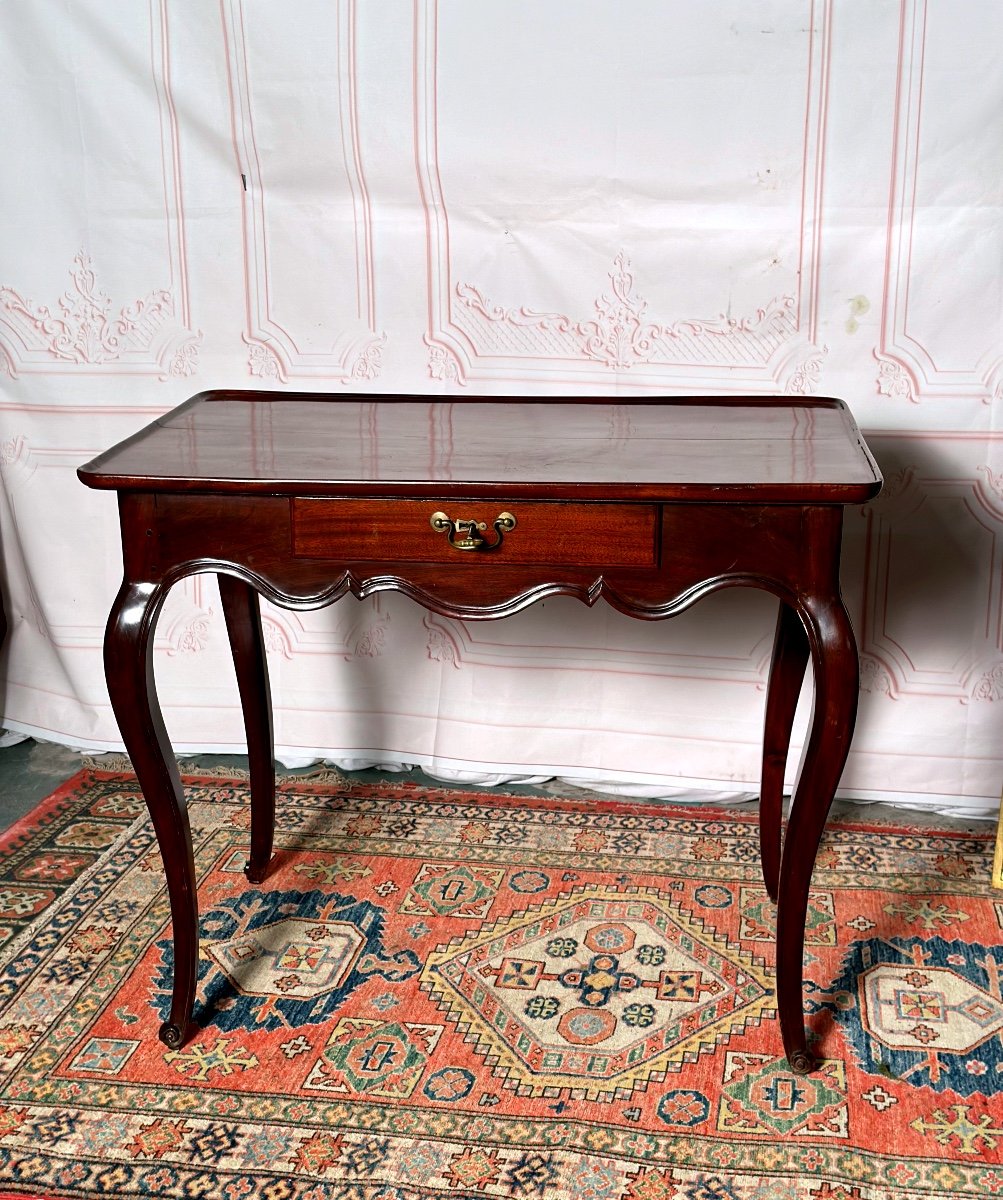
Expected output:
(564, 534)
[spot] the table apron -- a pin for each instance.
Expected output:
(790, 550)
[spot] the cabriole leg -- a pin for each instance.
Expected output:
(247, 644)
(787, 668)
(129, 671)
(835, 669)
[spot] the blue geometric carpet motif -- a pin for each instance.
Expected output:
(285, 958)
(925, 1010)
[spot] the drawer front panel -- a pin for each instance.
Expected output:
(564, 534)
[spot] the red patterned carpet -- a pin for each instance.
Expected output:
(439, 993)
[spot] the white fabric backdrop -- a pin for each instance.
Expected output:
(473, 195)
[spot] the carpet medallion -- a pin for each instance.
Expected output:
(441, 993)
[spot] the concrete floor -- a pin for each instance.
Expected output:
(30, 771)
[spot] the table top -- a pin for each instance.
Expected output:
(727, 449)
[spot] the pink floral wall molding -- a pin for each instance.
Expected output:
(806, 373)
(82, 329)
(441, 644)
(348, 631)
(474, 336)
(990, 686)
(620, 334)
(193, 625)
(276, 638)
(875, 677)
(190, 634)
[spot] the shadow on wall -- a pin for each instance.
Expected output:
(922, 572)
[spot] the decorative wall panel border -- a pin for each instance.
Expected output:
(472, 336)
(911, 363)
(276, 348)
(87, 331)
(357, 631)
(933, 588)
(487, 644)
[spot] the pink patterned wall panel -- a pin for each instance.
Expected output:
(750, 196)
(613, 333)
(732, 641)
(941, 331)
(84, 328)
(311, 304)
(932, 624)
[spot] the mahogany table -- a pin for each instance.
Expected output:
(476, 509)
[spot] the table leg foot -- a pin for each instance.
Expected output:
(834, 664)
(801, 1062)
(173, 1036)
(787, 668)
(256, 873)
(247, 645)
(129, 672)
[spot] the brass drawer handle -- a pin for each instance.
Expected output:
(465, 535)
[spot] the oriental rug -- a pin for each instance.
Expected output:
(440, 993)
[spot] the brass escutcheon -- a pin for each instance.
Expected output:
(465, 535)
